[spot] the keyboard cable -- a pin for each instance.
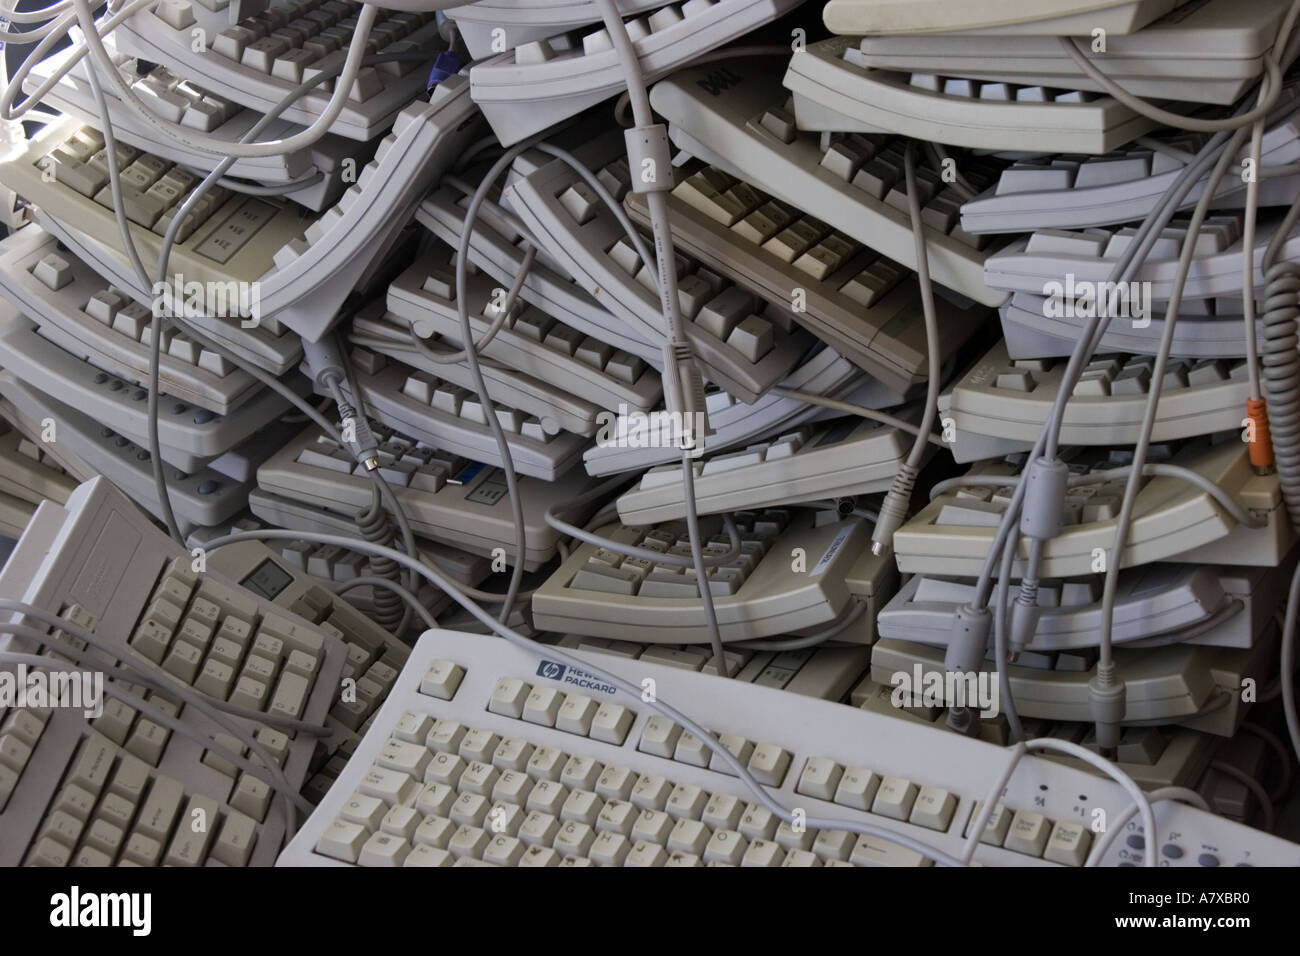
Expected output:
(648, 154)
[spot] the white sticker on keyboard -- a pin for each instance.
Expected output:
(825, 560)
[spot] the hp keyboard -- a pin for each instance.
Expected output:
(486, 755)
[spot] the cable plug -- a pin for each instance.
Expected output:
(684, 398)
(1024, 616)
(650, 157)
(968, 639)
(964, 721)
(1258, 435)
(1043, 514)
(1106, 703)
(893, 510)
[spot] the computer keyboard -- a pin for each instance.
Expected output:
(76, 309)
(1045, 17)
(205, 113)
(452, 418)
(1172, 520)
(121, 788)
(1207, 329)
(1074, 192)
(389, 335)
(1155, 603)
(28, 476)
(192, 435)
(855, 187)
(1185, 684)
(473, 724)
(531, 341)
(1168, 756)
(494, 248)
(1210, 51)
(864, 304)
(446, 497)
(494, 26)
(259, 60)
(758, 594)
(843, 458)
(542, 82)
(1000, 405)
(743, 346)
(1089, 255)
(823, 672)
(823, 371)
(85, 448)
(834, 91)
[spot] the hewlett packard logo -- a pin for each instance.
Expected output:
(554, 670)
(550, 670)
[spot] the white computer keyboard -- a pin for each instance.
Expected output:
(121, 788)
(314, 275)
(1089, 255)
(451, 417)
(558, 409)
(865, 305)
(585, 774)
(263, 57)
(1172, 520)
(842, 458)
(542, 82)
(205, 113)
(1075, 192)
(1210, 51)
(191, 435)
(743, 345)
(446, 497)
(532, 341)
(1000, 405)
(76, 308)
(494, 26)
(28, 476)
(789, 576)
(1207, 329)
(1159, 603)
(86, 448)
(834, 91)
(823, 372)
(1044, 18)
(494, 248)
(751, 134)
(374, 657)
(1184, 684)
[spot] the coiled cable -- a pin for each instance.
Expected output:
(1281, 362)
(374, 525)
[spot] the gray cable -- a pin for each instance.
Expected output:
(848, 408)
(371, 580)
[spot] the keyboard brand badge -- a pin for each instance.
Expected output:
(553, 670)
(718, 82)
(550, 670)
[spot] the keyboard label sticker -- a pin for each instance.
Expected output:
(566, 674)
(490, 490)
(235, 230)
(825, 560)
